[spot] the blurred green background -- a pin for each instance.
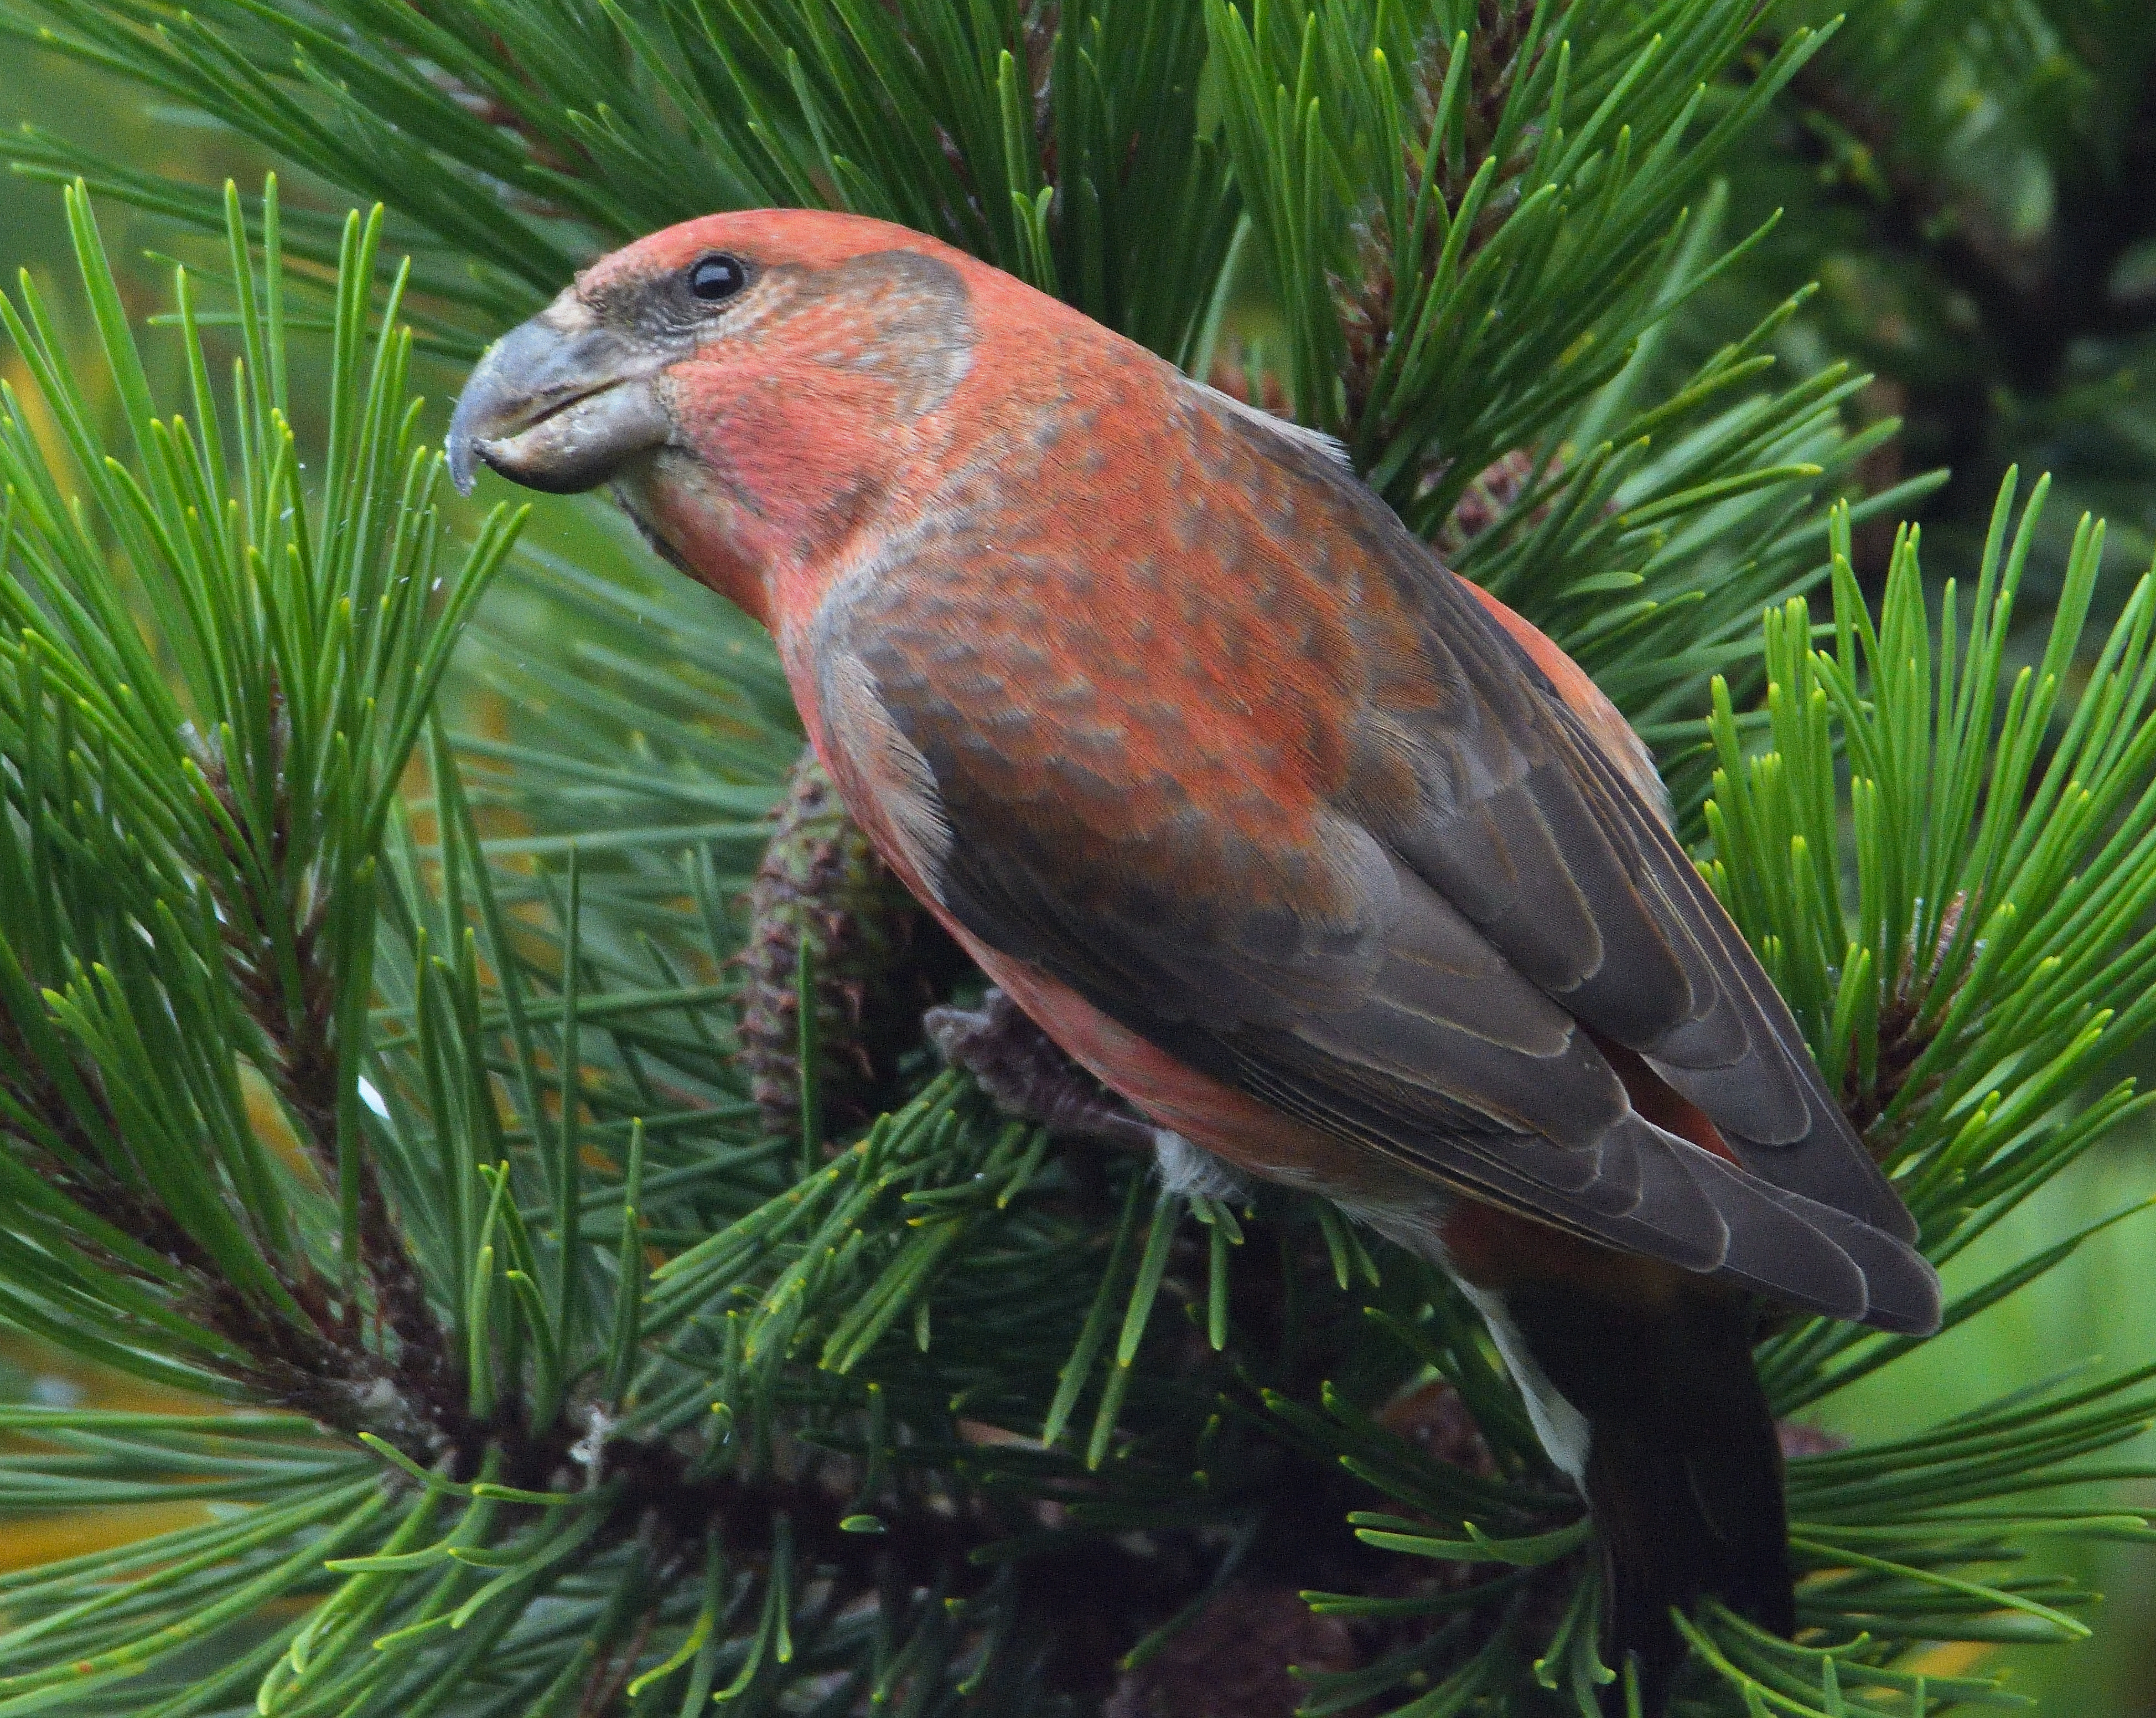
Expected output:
(2092, 420)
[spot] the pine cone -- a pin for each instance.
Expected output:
(1486, 500)
(876, 955)
(1433, 1418)
(1799, 1439)
(1233, 1660)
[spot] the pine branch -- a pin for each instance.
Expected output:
(1505, 49)
(614, 1396)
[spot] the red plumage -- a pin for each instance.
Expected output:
(1327, 862)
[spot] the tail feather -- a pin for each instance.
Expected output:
(1683, 1472)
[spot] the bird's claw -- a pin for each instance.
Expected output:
(1030, 1076)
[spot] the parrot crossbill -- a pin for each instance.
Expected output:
(1322, 857)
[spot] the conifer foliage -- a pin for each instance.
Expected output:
(396, 1082)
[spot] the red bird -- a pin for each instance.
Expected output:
(1328, 862)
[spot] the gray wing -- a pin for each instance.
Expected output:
(1528, 828)
(1422, 969)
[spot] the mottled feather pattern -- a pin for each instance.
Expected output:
(1377, 873)
(1327, 862)
(1048, 711)
(1213, 767)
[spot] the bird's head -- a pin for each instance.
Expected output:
(756, 386)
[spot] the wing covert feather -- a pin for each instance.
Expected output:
(1388, 886)
(1668, 976)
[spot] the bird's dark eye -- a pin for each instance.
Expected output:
(717, 277)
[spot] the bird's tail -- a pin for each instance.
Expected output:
(1683, 1470)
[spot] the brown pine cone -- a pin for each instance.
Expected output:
(1433, 1418)
(1486, 500)
(876, 956)
(1233, 1659)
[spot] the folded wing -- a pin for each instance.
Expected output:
(1414, 947)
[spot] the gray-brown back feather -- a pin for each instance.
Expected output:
(1416, 965)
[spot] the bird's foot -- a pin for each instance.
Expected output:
(1029, 1075)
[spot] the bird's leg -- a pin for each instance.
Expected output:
(1029, 1075)
(1032, 1076)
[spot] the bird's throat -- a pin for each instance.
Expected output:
(702, 525)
